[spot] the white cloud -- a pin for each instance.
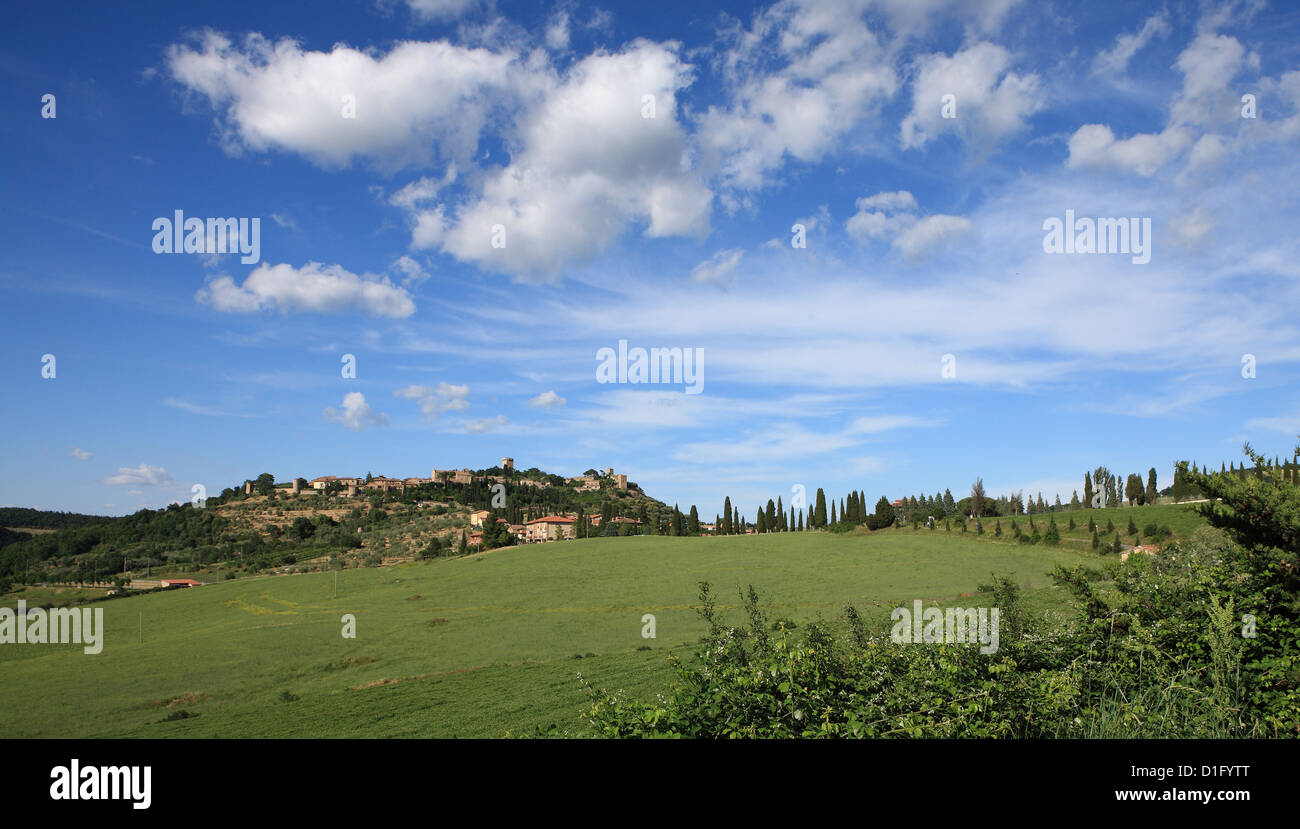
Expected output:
(588, 165)
(194, 408)
(804, 75)
(441, 9)
(991, 101)
(417, 102)
(557, 31)
(413, 273)
(1287, 424)
(718, 267)
(81, 454)
(1115, 60)
(475, 427)
(547, 400)
(1209, 65)
(1094, 145)
(894, 215)
(780, 442)
(1188, 227)
(1209, 97)
(885, 423)
(930, 233)
(423, 190)
(142, 475)
(323, 289)
(915, 16)
(433, 401)
(356, 413)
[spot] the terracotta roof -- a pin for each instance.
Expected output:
(551, 519)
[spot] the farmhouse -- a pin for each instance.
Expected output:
(477, 517)
(548, 528)
(179, 583)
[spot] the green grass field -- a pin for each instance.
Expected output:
(479, 646)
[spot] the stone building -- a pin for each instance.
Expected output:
(548, 528)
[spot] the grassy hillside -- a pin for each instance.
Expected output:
(476, 646)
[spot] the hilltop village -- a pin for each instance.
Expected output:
(497, 482)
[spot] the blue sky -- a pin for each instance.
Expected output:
(924, 237)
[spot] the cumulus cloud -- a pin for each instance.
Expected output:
(894, 215)
(547, 400)
(990, 101)
(81, 454)
(142, 475)
(589, 164)
(433, 401)
(356, 413)
(322, 289)
(276, 96)
(1207, 100)
(799, 79)
(1094, 145)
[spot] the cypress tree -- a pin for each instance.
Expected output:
(725, 526)
(694, 526)
(820, 520)
(770, 523)
(832, 512)
(780, 512)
